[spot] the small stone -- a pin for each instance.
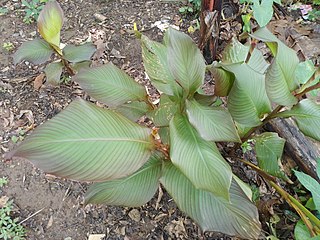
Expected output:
(134, 214)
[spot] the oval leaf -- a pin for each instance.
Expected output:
(36, 51)
(235, 52)
(132, 191)
(78, 53)
(312, 185)
(162, 115)
(280, 77)
(247, 101)
(269, 148)
(186, 62)
(53, 72)
(133, 110)
(223, 80)
(198, 159)
(237, 217)
(50, 22)
(307, 115)
(212, 123)
(263, 11)
(277, 87)
(155, 61)
(110, 85)
(88, 143)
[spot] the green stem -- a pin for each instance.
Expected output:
(295, 204)
(266, 120)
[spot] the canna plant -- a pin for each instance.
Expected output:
(127, 161)
(40, 50)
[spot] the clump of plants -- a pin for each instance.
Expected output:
(64, 58)
(127, 161)
(9, 226)
(192, 7)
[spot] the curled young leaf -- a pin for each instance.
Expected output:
(280, 77)
(50, 22)
(186, 62)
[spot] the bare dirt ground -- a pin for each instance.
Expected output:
(52, 208)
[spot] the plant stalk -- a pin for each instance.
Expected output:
(304, 213)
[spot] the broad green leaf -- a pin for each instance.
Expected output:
(310, 204)
(206, 100)
(235, 52)
(223, 80)
(132, 191)
(312, 185)
(269, 148)
(50, 22)
(198, 159)
(244, 186)
(276, 85)
(237, 217)
(212, 123)
(301, 232)
(110, 85)
(247, 101)
(164, 135)
(85, 142)
(133, 110)
(304, 71)
(307, 115)
(185, 60)
(263, 11)
(80, 65)
(53, 72)
(257, 62)
(78, 53)
(36, 51)
(280, 77)
(162, 115)
(155, 60)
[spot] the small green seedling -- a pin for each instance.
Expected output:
(3, 181)
(32, 9)
(3, 10)
(8, 46)
(40, 50)
(10, 229)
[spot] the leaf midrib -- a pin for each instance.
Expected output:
(99, 139)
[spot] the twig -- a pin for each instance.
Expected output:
(32, 215)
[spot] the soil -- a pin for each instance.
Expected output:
(52, 208)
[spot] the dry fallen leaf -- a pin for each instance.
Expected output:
(3, 201)
(38, 81)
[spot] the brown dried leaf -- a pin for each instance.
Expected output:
(38, 81)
